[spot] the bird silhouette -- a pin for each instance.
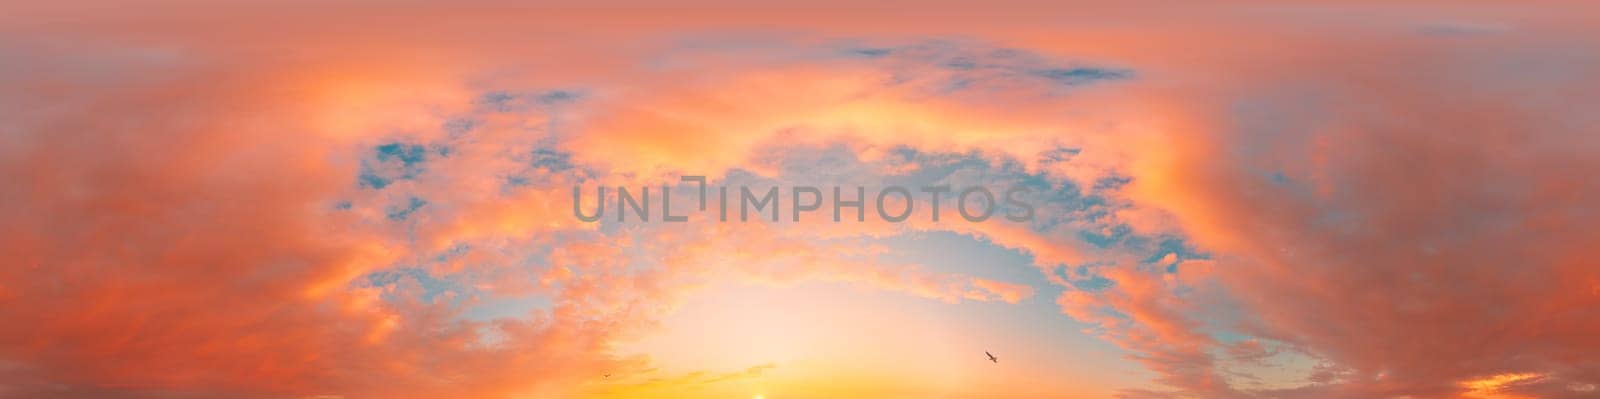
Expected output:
(992, 358)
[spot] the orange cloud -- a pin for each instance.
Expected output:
(184, 210)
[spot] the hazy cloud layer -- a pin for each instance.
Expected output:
(1261, 201)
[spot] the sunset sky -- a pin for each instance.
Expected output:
(1234, 200)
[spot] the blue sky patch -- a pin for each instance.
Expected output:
(393, 161)
(402, 212)
(1083, 75)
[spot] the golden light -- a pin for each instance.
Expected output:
(1491, 387)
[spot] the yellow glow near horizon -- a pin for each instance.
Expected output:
(1490, 387)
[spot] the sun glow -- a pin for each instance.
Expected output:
(1492, 386)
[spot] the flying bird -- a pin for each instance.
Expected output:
(992, 358)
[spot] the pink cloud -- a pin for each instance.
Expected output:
(1414, 214)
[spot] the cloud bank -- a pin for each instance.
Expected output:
(1261, 202)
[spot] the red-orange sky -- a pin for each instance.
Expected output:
(1304, 199)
